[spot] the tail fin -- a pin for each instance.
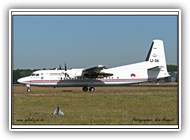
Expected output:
(156, 59)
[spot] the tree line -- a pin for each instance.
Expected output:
(172, 68)
(26, 72)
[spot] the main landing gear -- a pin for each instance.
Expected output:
(85, 89)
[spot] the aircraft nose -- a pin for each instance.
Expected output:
(19, 80)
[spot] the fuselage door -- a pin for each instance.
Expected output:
(45, 78)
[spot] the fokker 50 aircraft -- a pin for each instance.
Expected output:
(154, 67)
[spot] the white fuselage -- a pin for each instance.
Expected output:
(128, 74)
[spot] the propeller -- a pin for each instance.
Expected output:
(60, 68)
(65, 68)
(66, 74)
(65, 65)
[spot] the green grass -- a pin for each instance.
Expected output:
(107, 105)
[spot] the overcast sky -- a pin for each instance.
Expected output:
(85, 41)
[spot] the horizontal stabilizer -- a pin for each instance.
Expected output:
(157, 68)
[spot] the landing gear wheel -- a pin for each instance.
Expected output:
(91, 89)
(85, 89)
(28, 89)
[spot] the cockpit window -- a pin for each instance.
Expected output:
(35, 74)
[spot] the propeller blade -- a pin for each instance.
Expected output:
(65, 67)
(66, 70)
(60, 67)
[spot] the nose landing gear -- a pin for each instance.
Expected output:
(28, 88)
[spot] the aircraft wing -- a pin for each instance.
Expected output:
(95, 72)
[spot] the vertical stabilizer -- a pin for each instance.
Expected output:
(156, 54)
(156, 59)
